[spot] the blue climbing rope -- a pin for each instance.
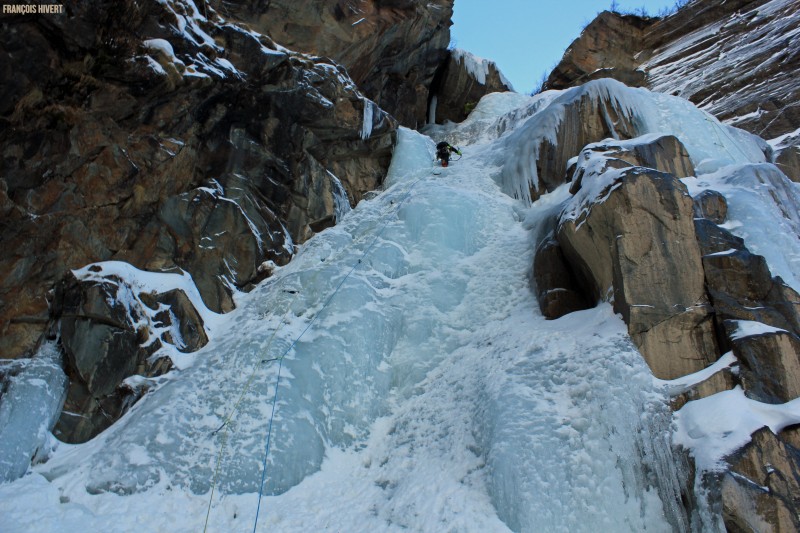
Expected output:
(311, 323)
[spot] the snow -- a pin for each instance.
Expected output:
(163, 46)
(188, 19)
(419, 386)
(786, 140)
(713, 428)
(155, 66)
(749, 328)
(682, 384)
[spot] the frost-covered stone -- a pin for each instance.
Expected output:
(539, 151)
(113, 327)
(664, 153)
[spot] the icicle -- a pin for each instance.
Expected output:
(366, 126)
(432, 110)
(341, 201)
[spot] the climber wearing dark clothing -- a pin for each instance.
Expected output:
(443, 150)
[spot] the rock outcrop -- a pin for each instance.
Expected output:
(391, 48)
(557, 288)
(761, 490)
(689, 290)
(112, 328)
(638, 249)
(460, 83)
(606, 48)
(149, 133)
(736, 59)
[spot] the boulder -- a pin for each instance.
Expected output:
(102, 339)
(770, 364)
(718, 382)
(637, 248)
(175, 313)
(665, 153)
(115, 336)
(711, 205)
(761, 490)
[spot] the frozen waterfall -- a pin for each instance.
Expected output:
(420, 390)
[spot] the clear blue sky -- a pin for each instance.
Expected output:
(528, 37)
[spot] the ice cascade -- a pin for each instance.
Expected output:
(420, 388)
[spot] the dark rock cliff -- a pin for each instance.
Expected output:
(391, 48)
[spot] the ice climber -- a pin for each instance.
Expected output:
(443, 150)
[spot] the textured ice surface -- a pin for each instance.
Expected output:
(427, 393)
(29, 406)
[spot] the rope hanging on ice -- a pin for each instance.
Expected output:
(311, 323)
(232, 412)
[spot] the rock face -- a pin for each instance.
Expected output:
(175, 141)
(762, 488)
(638, 249)
(148, 133)
(606, 48)
(736, 59)
(391, 48)
(460, 83)
(558, 290)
